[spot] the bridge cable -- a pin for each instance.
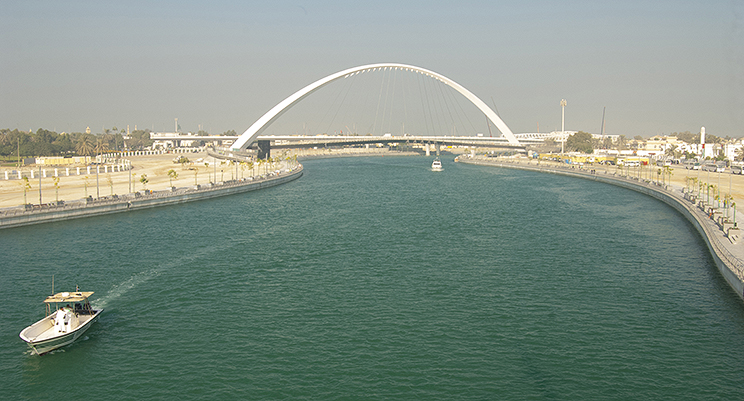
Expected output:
(405, 102)
(436, 101)
(377, 111)
(343, 101)
(444, 101)
(457, 101)
(359, 102)
(384, 104)
(433, 115)
(425, 105)
(328, 109)
(392, 102)
(449, 100)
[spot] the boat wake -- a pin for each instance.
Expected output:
(142, 277)
(121, 289)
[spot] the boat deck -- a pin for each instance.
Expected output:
(44, 329)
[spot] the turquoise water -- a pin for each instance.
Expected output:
(376, 278)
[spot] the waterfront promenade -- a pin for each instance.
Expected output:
(36, 214)
(208, 175)
(201, 170)
(722, 238)
(78, 196)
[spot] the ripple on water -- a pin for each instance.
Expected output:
(376, 278)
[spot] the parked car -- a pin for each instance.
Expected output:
(692, 165)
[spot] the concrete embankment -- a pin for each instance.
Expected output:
(727, 254)
(36, 214)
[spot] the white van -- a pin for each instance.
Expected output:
(714, 168)
(692, 165)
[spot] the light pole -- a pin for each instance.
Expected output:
(563, 120)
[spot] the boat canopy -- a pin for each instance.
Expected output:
(68, 297)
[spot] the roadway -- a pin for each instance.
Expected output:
(307, 141)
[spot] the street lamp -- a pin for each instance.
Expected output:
(563, 120)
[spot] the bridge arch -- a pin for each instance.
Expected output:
(249, 136)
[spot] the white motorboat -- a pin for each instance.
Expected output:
(436, 164)
(62, 324)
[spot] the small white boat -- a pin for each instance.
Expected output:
(436, 164)
(62, 324)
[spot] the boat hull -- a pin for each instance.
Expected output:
(45, 345)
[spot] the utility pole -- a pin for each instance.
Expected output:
(563, 126)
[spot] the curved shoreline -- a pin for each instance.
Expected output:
(17, 217)
(728, 257)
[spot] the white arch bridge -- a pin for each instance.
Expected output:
(252, 133)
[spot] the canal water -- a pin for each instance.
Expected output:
(377, 278)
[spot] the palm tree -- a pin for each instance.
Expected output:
(670, 151)
(26, 186)
(101, 146)
(740, 153)
(171, 175)
(668, 171)
(56, 188)
(84, 146)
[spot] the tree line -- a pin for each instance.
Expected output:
(585, 143)
(49, 143)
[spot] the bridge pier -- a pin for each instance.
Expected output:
(427, 149)
(264, 149)
(438, 145)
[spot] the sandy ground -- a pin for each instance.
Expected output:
(727, 182)
(155, 166)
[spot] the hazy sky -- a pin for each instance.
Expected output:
(657, 66)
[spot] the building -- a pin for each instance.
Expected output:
(167, 140)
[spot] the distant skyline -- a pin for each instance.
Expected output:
(658, 67)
